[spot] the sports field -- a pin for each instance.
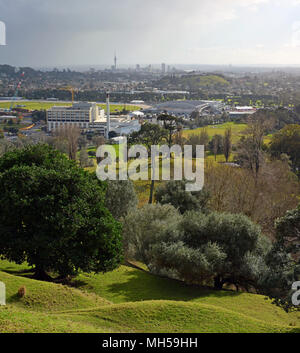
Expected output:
(39, 105)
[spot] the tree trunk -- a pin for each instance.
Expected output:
(151, 192)
(218, 283)
(41, 275)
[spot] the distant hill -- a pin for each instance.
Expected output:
(192, 82)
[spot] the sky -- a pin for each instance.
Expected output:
(88, 32)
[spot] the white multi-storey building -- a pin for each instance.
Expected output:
(84, 115)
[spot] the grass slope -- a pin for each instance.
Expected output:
(212, 130)
(47, 297)
(132, 300)
(172, 316)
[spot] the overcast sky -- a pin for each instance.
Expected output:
(87, 32)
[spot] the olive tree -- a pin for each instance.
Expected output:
(120, 197)
(213, 249)
(147, 226)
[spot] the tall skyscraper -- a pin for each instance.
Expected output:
(163, 68)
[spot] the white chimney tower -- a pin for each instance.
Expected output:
(107, 115)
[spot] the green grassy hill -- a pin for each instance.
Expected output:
(194, 82)
(132, 300)
(236, 129)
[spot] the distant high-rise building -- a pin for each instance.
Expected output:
(163, 68)
(138, 67)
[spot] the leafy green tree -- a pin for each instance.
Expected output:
(52, 215)
(170, 124)
(120, 197)
(198, 139)
(149, 135)
(288, 231)
(84, 159)
(283, 260)
(174, 193)
(216, 145)
(227, 144)
(287, 141)
(277, 281)
(82, 142)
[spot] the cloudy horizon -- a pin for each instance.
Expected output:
(222, 32)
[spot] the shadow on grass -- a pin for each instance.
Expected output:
(133, 284)
(77, 283)
(136, 285)
(14, 299)
(295, 330)
(20, 273)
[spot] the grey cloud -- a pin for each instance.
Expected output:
(53, 32)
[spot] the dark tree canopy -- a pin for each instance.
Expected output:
(288, 231)
(284, 260)
(170, 124)
(287, 141)
(52, 215)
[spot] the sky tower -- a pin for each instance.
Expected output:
(115, 59)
